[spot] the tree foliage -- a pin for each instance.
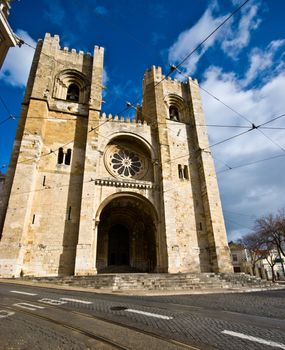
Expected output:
(267, 240)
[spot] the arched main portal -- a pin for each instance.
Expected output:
(126, 236)
(118, 245)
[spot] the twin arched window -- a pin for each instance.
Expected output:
(66, 157)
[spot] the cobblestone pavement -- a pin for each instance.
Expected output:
(198, 320)
(20, 332)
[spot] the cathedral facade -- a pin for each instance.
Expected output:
(87, 193)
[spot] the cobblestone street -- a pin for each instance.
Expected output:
(205, 321)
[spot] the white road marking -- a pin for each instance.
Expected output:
(52, 301)
(77, 300)
(149, 314)
(5, 313)
(29, 306)
(26, 293)
(255, 339)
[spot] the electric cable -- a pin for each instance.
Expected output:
(199, 45)
(239, 114)
(251, 163)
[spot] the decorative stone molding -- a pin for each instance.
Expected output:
(68, 77)
(125, 183)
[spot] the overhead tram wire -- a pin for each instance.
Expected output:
(11, 116)
(225, 218)
(129, 105)
(213, 96)
(7, 110)
(207, 37)
(189, 55)
(103, 87)
(232, 137)
(236, 223)
(59, 62)
(182, 63)
(53, 151)
(252, 163)
(213, 32)
(239, 114)
(198, 46)
(251, 217)
(172, 123)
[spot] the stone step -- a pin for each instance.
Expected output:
(160, 281)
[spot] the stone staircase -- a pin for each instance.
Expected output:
(161, 281)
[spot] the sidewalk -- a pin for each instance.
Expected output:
(141, 292)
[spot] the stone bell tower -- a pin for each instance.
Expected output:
(189, 196)
(42, 199)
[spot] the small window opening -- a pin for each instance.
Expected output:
(200, 226)
(186, 172)
(180, 172)
(44, 181)
(69, 213)
(60, 156)
(34, 218)
(235, 257)
(67, 157)
(173, 113)
(73, 93)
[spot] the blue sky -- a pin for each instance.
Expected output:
(242, 65)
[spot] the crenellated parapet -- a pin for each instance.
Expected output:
(154, 75)
(52, 43)
(122, 119)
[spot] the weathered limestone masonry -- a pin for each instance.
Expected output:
(87, 193)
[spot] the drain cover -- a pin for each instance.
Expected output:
(118, 308)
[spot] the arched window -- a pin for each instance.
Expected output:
(60, 156)
(67, 157)
(186, 172)
(173, 113)
(180, 171)
(73, 93)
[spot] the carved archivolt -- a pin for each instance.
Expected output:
(71, 76)
(176, 102)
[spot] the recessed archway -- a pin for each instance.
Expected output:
(126, 236)
(118, 246)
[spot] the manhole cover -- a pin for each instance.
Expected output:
(118, 308)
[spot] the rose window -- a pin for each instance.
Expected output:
(122, 162)
(126, 163)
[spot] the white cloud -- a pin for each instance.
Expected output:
(105, 81)
(232, 37)
(237, 37)
(255, 189)
(16, 68)
(105, 77)
(191, 38)
(261, 61)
